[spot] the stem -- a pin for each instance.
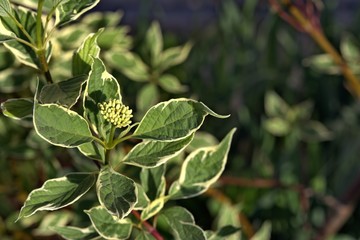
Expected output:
(98, 141)
(318, 36)
(148, 226)
(41, 52)
(119, 140)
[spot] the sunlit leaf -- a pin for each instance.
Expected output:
(201, 169)
(57, 193)
(154, 153)
(174, 119)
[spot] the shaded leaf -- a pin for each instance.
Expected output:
(107, 225)
(147, 97)
(223, 233)
(129, 64)
(154, 40)
(93, 150)
(64, 93)
(275, 106)
(18, 108)
(154, 153)
(322, 63)
(144, 236)
(264, 233)
(153, 181)
(60, 126)
(116, 192)
(174, 119)
(173, 56)
(75, 233)
(171, 84)
(57, 193)
(182, 223)
(201, 169)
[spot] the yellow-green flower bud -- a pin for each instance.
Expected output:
(116, 113)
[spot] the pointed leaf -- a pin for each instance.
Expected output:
(182, 223)
(154, 153)
(116, 192)
(201, 169)
(144, 236)
(171, 84)
(64, 93)
(71, 10)
(129, 64)
(153, 181)
(275, 106)
(60, 126)
(174, 119)
(154, 40)
(57, 193)
(18, 108)
(264, 233)
(101, 87)
(277, 126)
(93, 150)
(147, 97)
(173, 56)
(322, 63)
(224, 233)
(107, 225)
(350, 49)
(153, 208)
(83, 57)
(75, 233)
(5, 8)
(5, 34)
(143, 200)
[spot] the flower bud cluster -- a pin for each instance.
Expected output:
(116, 113)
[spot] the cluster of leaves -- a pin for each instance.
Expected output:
(65, 112)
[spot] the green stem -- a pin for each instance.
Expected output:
(119, 140)
(22, 29)
(26, 43)
(39, 32)
(98, 141)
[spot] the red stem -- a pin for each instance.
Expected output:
(148, 226)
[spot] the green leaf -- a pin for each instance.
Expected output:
(15, 80)
(350, 49)
(174, 119)
(71, 10)
(202, 139)
(56, 218)
(224, 233)
(116, 192)
(129, 64)
(101, 87)
(201, 169)
(173, 56)
(107, 225)
(154, 40)
(228, 216)
(57, 193)
(143, 200)
(153, 181)
(313, 131)
(153, 208)
(275, 106)
(182, 223)
(144, 236)
(22, 52)
(171, 84)
(93, 150)
(83, 57)
(154, 153)
(264, 233)
(64, 93)
(18, 108)
(277, 126)
(147, 97)
(5, 34)
(61, 126)
(75, 233)
(322, 63)
(5, 8)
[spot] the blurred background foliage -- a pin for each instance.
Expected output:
(294, 162)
